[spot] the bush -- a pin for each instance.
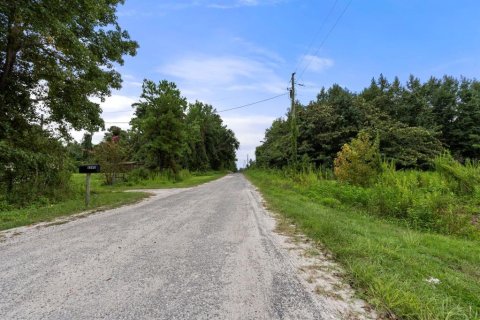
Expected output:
(462, 178)
(358, 162)
(28, 174)
(424, 200)
(138, 174)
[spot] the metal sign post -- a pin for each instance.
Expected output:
(88, 169)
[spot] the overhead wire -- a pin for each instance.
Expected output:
(253, 103)
(327, 17)
(220, 111)
(296, 67)
(327, 36)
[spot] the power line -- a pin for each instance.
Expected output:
(299, 63)
(327, 35)
(225, 110)
(120, 111)
(253, 103)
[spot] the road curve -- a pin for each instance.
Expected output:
(200, 253)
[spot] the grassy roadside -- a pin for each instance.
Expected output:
(101, 197)
(389, 264)
(160, 182)
(26, 216)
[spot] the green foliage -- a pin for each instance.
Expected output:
(34, 168)
(388, 262)
(168, 134)
(414, 123)
(159, 123)
(275, 150)
(55, 56)
(211, 144)
(410, 147)
(420, 200)
(358, 162)
(110, 155)
(463, 179)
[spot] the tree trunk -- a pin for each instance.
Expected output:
(12, 49)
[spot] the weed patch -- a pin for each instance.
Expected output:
(388, 261)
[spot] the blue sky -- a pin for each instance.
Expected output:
(232, 52)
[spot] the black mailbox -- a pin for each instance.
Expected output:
(90, 168)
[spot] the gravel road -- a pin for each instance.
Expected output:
(200, 253)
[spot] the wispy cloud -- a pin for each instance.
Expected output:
(243, 3)
(229, 73)
(315, 63)
(241, 79)
(167, 6)
(264, 54)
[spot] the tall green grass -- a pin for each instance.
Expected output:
(388, 258)
(445, 201)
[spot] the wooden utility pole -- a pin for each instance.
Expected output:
(87, 189)
(293, 120)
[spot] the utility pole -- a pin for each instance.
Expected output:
(293, 121)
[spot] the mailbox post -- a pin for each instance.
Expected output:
(88, 170)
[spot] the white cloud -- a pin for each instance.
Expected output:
(315, 63)
(251, 48)
(243, 3)
(168, 5)
(249, 130)
(117, 111)
(210, 75)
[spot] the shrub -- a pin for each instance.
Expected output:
(358, 162)
(462, 178)
(138, 174)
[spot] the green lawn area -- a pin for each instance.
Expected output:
(386, 262)
(34, 214)
(102, 197)
(159, 182)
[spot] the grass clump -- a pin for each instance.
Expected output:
(390, 262)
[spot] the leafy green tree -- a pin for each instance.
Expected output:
(75, 152)
(410, 147)
(54, 57)
(110, 154)
(87, 147)
(359, 161)
(414, 122)
(465, 128)
(160, 125)
(211, 144)
(275, 149)
(36, 166)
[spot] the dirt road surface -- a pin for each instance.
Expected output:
(206, 252)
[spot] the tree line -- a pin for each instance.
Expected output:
(55, 57)
(167, 133)
(414, 122)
